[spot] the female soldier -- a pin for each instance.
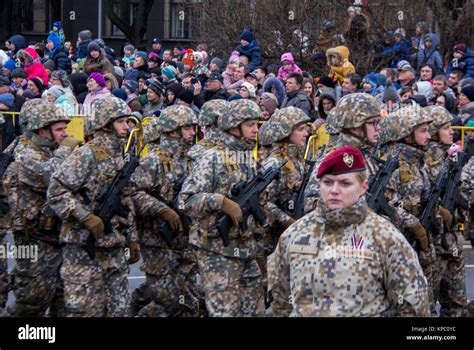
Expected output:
(342, 259)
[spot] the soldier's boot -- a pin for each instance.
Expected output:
(141, 297)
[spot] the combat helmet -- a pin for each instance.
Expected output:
(281, 125)
(353, 110)
(105, 111)
(238, 112)
(401, 123)
(44, 114)
(211, 111)
(175, 117)
(28, 110)
(440, 117)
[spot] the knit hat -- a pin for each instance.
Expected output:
(120, 93)
(460, 48)
(10, 65)
(169, 72)
(38, 83)
(118, 71)
(61, 76)
(18, 73)
(93, 46)
(470, 122)
(180, 66)
(56, 91)
(186, 95)
(156, 40)
(326, 81)
(142, 54)
(50, 65)
(218, 62)
(250, 88)
(55, 39)
(247, 35)
(390, 94)
(468, 91)
(270, 103)
(130, 48)
(131, 74)
(98, 77)
(234, 58)
(175, 88)
(85, 35)
(420, 100)
(28, 94)
(371, 78)
(132, 85)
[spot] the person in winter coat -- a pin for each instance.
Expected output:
(58, 53)
(231, 68)
(327, 101)
(250, 48)
(79, 86)
(31, 64)
(430, 55)
(288, 66)
(463, 59)
(97, 61)
(97, 90)
(338, 60)
(16, 43)
(276, 87)
(400, 51)
(83, 41)
(295, 95)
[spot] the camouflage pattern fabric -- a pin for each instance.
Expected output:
(4, 279)
(364, 267)
(211, 111)
(105, 110)
(42, 115)
(440, 117)
(239, 111)
(175, 117)
(353, 110)
(281, 125)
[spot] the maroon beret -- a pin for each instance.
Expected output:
(342, 161)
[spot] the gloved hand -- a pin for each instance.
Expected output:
(447, 218)
(233, 210)
(421, 236)
(134, 252)
(172, 218)
(70, 142)
(288, 223)
(94, 224)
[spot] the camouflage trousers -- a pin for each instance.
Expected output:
(36, 282)
(4, 281)
(427, 260)
(232, 287)
(170, 289)
(95, 288)
(450, 281)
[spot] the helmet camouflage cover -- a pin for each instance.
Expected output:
(238, 112)
(211, 111)
(281, 125)
(175, 117)
(402, 123)
(440, 117)
(104, 111)
(28, 110)
(41, 115)
(352, 111)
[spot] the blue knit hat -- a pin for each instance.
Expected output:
(247, 35)
(131, 74)
(120, 93)
(169, 72)
(55, 39)
(371, 78)
(132, 85)
(10, 65)
(57, 24)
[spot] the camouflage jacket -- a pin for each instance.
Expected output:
(86, 173)
(37, 162)
(435, 158)
(153, 185)
(280, 191)
(203, 193)
(344, 139)
(409, 187)
(467, 181)
(346, 263)
(210, 140)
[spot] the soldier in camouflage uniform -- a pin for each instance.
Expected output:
(287, 131)
(343, 260)
(449, 280)
(11, 220)
(356, 117)
(95, 287)
(208, 117)
(409, 185)
(230, 276)
(467, 189)
(165, 291)
(37, 285)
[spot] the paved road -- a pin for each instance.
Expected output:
(136, 277)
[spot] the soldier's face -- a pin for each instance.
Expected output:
(299, 135)
(422, 135)
(342, 191)
(373, 128)
(188, 133)
(59, 132)
(249, 129)
(121, 127)
(446, 134)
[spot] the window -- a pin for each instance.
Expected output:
(133, 10)
(185, 17)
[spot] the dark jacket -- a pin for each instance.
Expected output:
(299, 100)
(61, 59)
(278, 89)
(101, 64)
(253, 52)
(465, 63)
(398, 52)
(207, 95)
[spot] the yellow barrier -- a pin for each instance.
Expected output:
(463, 131)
